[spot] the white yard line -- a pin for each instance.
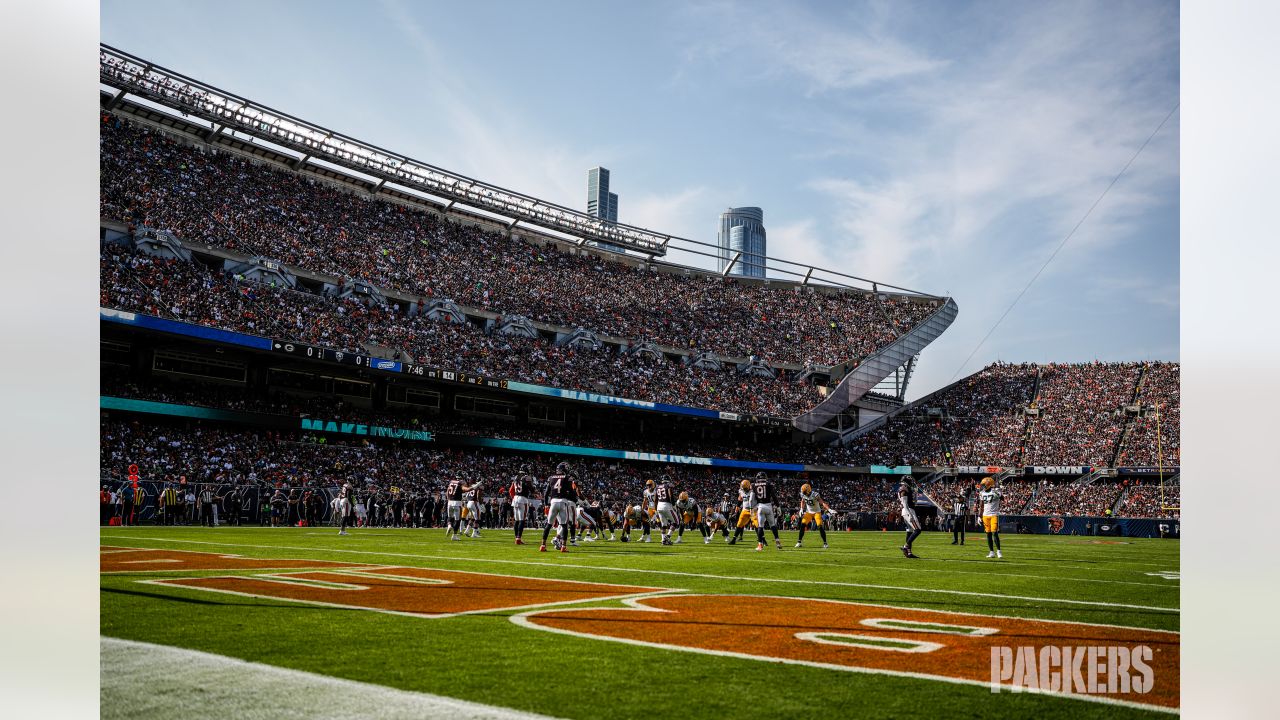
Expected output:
(676, 573)
(168, 683)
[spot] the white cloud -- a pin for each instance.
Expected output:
(825, 55)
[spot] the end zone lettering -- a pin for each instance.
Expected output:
(1080, 669)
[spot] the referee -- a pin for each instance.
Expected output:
(961, 518)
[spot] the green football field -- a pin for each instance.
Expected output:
(714, 653)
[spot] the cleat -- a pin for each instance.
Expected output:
(799, 545)
(706, 541)
(998, 555)
(759, 546)
(991, 554)
(543, 548)
(953, 542)
(731, 541)
(455, 538)
(912, 555)
(906, 552)
(644, 539)
(778, 542)
(678, 540)
(564, 548)
(519, 541)
(824, 546)
(475, 533)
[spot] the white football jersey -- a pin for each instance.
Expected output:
(990, 500)
(812, 502)
(650, 499)
(746, 498)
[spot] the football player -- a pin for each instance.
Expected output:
(647, 501)
(561, 493)
(665, 498)
(690, 514)
(521, 486)
(765, 495)
(811, 508)
(471, 511)
(453, 493)
(342, 506)
(746, 510)
(600, 518)
(715, 519)
(989, 496)
(633, 516)
(586, 525)
(907, 498)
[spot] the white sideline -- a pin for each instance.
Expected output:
(142, 680)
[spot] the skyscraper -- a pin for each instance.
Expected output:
(742, 230)
(600, 202)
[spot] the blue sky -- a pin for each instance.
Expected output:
(943, 146)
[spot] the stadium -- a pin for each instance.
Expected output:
(310, 343)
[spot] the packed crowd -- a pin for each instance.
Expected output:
(981, 422)
(1067, 498)
(1159, 394)
(222, 199)
(1081, 412)
(193, 292)
(1152, 500)
(676, 439)
(267, 460)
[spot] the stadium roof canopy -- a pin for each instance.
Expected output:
(129, 75)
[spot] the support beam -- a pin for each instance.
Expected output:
(113, 102)
(378, 188)
(297, 164)
(807, 275)
(449, 207)
(734, 261)
(214, 132)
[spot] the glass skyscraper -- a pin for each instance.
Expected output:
(742, 230)
(600, 202)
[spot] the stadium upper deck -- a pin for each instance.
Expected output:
(219, 198)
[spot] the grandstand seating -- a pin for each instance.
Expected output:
(194, 293)
(981, 419)
(222, 199)
(1142, 445)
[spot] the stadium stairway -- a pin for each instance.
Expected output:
(878, 366)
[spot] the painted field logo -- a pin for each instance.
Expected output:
(858, 637)
(1076, 669)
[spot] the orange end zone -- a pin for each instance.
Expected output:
(870, 638)
(118, 559)
(411, 591)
